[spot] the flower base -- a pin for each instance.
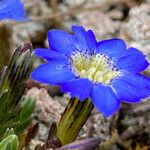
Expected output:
(73, 119)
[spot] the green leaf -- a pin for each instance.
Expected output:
(12, 87)
(28, 106)
(9, 143)
(9, 132)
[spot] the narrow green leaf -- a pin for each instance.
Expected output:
(28, 106)
(9, 132)
(9, 143)
(12, 87)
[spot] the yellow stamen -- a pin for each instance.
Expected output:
(97, 67)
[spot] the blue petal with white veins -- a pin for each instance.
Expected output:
(137, 79)
(80, 88)
(105, 100)
(112, 48)
(132, 60)
(85, 40)
(12, 9)
(131, 88)
(52, 73)
(50, 55)
(61, 41)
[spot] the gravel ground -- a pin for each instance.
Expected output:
(127, 19)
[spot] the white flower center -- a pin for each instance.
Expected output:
(97, 67)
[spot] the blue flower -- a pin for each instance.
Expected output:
(12, 9)
(105, 71)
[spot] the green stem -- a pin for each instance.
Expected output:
(73, 119)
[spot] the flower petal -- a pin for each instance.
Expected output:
(112, 47)
(105, 100)
(12, 10)
(132, 60)
(61, 41)
(92, 40)
(80, 88)
(52, 73)
(137, 79)
(131, 88)
(50, 55)
(85, 40)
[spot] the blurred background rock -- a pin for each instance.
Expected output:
(127, 19)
